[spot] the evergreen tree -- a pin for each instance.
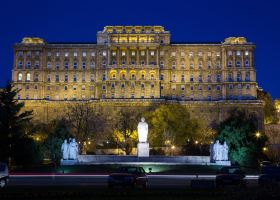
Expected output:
(12, 121)
(239, 131)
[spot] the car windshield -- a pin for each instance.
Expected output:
(128, 170)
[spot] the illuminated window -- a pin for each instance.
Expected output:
(191, 54)
(246, 53)
(200, 65)
(161, 53)
(57, 54)
(92, 54)
(152, 53)
(200, 54)
(173, 54)
(142, 53)
(75, 54)
(66, 54)
(20, 77)
(83, 87)
(218, 54)
(113, 53)
(84, 54)
(208, 53)
(182, 53)
(28, 77)
(230, 53)
(123, 53)
(238, 53)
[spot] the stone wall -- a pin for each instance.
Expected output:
(212, 112)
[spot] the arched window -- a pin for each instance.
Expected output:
(20, 77)
(28, 77)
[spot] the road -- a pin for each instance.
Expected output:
(100, 181)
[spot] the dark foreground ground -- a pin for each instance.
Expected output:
(85, 192)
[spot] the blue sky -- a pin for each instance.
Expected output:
(190, 21)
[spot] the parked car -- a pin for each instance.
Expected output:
(265, 163)
(231, 175)
(128, 176)
(4, 175)
(269, 176)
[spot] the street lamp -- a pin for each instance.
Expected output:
(172, 149)
(258, 134)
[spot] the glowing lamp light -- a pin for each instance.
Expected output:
(264, 148)
(173, 147)
(258, 134)
(196, 142)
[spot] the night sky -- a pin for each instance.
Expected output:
(188, 21)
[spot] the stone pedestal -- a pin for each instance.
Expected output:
(223, 162)
(143, 149)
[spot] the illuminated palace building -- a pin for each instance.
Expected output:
(135, 63)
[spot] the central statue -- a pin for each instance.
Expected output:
(143, 149)
(142, 130)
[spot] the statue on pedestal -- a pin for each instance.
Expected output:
(143, 149)
(142, 130)
(65, 150)
(73, 149)
(220, 152)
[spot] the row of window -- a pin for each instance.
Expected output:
(133, 53)
(230, 77)
(132, 96)
(92, 64)
(152, 86)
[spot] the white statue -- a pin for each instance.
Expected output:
(73, 149)
(217, 151)
(65, 150)
(142, 131)
(225, 151)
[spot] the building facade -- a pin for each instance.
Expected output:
(132, 63)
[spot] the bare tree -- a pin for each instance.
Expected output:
(86, 122)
